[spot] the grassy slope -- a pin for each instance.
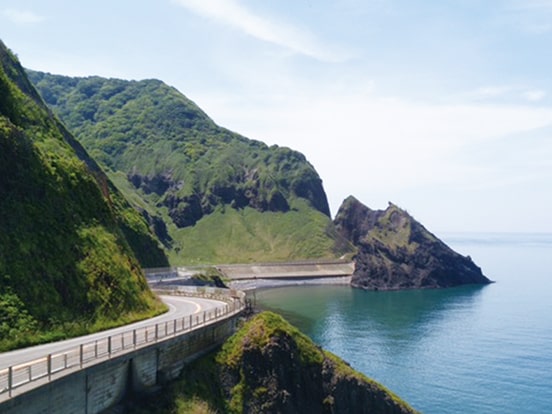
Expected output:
(66, 266)
(247, 235)
(150, 129)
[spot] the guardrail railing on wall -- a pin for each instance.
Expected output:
(54, 365)
(206, 292)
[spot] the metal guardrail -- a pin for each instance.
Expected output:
(55, 365)
(206, 292)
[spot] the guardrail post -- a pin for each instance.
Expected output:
(109, 346)
(134, 338)
(10, 381)
(174, 327)
(156, 331)
(190, 327)
(81, 356)
(204, 318)
(49, 364)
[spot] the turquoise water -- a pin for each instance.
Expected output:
(463, 350)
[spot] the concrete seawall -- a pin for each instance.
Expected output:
(287, 270)
(99, 387)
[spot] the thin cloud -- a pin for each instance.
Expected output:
(234, 14)
(489, 92)
(534, 95)
(507, 93)
(22, 16)
(402, 144)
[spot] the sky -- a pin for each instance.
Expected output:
(441, 107)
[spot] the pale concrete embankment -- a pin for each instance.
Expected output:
(247, 285)
(263, 275)
(287, 270)
(251, 276)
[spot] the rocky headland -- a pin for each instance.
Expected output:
(268, 366)
(397, 252)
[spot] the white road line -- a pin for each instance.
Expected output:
(197, 305)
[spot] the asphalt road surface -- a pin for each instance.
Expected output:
(179, 307)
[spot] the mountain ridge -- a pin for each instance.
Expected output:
(183, 170)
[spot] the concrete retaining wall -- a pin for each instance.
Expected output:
(95, 389)
(287, 270)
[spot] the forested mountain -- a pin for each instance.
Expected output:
(210, 194)
(69, 241)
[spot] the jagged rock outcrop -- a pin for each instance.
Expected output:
(269, 367)
(397, 252)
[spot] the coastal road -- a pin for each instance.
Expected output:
(179, 307)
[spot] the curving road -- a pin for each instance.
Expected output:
(179, 307)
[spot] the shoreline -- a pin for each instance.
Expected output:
(260, 283)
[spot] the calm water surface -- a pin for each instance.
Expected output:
(463, 350)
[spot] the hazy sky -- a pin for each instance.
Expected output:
(442, 107)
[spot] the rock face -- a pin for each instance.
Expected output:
(270, 367)
(397, 252)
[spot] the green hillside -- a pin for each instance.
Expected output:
(211, 194)
(67, 236)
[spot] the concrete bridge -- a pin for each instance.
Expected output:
(96, 372)
(91, 374)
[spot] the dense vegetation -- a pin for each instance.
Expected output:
(268, 366)
(181, 169)
(66, 235)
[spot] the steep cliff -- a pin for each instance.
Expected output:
(397, 252)
(66, 260)
(181, 168)
(268, 366)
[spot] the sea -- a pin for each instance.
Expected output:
(471, 349)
